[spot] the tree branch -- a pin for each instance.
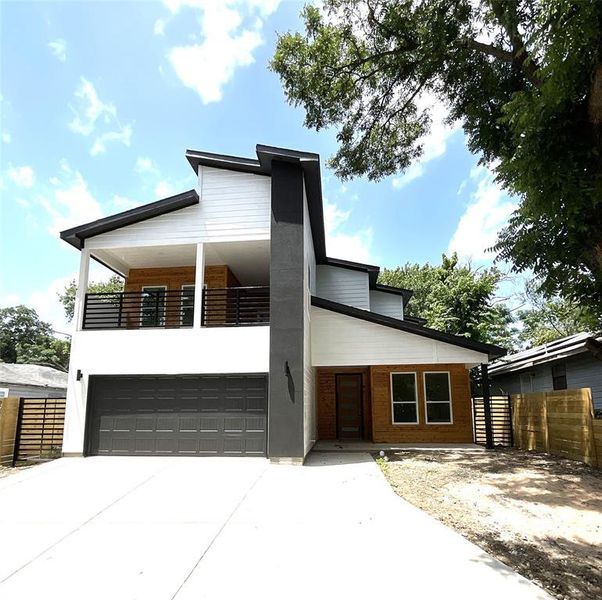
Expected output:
(491, 50)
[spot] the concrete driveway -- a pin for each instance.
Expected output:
(213, 528)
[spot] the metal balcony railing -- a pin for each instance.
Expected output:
(236, 306)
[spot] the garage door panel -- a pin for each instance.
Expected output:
(201, 415)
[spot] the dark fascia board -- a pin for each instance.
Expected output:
(409, 327)
(76, 236)
(417, 320)
(262, 165)
(372, 270)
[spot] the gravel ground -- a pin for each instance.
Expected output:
(539, 514)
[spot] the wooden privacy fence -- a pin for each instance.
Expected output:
(501, 420)
(31, 429)
(560, 422)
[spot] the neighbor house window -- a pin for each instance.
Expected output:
(187, 305)
(437, 397)
(152, 312)
(559, 376)
(3, 392)
(404, 399)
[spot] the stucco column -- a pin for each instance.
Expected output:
(199, 283)
(82, 288)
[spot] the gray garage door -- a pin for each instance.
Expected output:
(178, 416)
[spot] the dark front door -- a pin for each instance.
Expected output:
(195, 415)
(349, 406)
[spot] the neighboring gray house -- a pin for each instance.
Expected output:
(32, 381)
(568, 363)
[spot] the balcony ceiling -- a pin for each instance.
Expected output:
(249, 261)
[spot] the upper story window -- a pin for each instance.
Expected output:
(437, 397)
(559, 376)
(404, 398)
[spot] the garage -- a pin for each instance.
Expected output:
(188, 415)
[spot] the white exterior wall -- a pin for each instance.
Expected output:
(157, 352)
(339, 340)
(346, 286)
(233, 207)
(310, 432)
(390, 305)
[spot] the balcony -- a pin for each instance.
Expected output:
(174, 309)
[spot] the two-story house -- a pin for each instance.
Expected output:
(237, 335)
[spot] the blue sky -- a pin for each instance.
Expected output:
(100, 100)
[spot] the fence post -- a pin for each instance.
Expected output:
(487, 406)
(18, 431)
(511, 421)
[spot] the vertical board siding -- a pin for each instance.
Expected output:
(343, 285)
(390, 305)
(233, 206)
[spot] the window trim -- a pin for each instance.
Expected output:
(182, 288)
(415, 374)
(145, 288)
(4, 392)
(426, 400)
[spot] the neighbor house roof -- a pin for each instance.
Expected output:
(556, 350)
(34, 375)
(408, 326)
(76, 235)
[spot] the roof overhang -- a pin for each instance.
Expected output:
(262, 165)
(491, 350)
(76, 236)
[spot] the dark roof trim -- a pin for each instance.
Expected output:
(417, 320)
(262, 165)
(407, 326)
(372, 270)
(76, 236)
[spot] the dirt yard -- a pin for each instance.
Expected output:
(539, 514)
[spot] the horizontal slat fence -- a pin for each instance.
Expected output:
(501, 420)
(39, 429)
(560, 422)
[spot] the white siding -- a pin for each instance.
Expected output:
(161, 352)
(233, 206)
(309, 402)
(390, 305)
(343, 285)
(339, 340)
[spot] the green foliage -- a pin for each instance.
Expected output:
(529, 100)
(549, 319)
(24, 338)
(20, 326)
(456, 298)
(67, 297)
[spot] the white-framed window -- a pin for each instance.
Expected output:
(187, 313)
(437, 397)
(152, 308)
(404, 398)
(3, 392)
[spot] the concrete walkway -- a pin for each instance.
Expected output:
(164, 528)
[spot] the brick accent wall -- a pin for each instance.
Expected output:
(460, 431)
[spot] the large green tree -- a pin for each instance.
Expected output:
(67, 296)
(25, 338)
(456, 298)
(549, 319)
(523, 77)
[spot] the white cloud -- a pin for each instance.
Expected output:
(434, 144)
(484, 217)
(59, 49)
(159, 27)
(6, 137)
(123, 203)
(71, 202)
(21, 176)
(92, 114)
(164, 189)
(349, 246)
(145, 165)
(124, 135)
(230, 33)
